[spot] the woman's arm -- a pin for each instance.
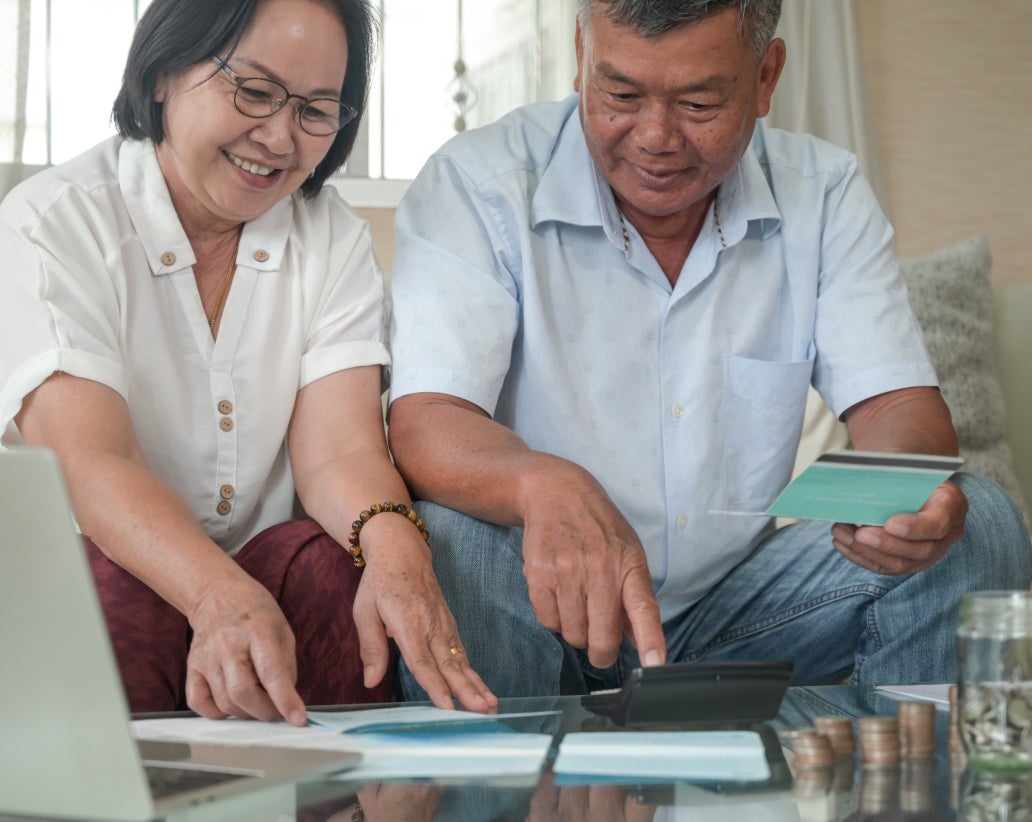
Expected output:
(241, 659)
(341, 465)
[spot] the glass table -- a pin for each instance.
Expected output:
(939, 788)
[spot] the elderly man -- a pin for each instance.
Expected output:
(608, 312)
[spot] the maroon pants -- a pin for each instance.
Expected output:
(312, 578)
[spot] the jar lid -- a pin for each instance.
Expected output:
(996, 612)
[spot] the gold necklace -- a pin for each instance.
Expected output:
(627, 235)
(225, 287)
(716, 220)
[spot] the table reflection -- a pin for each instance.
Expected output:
(941, 787)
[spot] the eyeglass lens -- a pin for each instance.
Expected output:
(257, 97)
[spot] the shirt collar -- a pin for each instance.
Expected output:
(745, 202)
(154, 218)
(563, 193)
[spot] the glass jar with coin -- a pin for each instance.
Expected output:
(994, 671)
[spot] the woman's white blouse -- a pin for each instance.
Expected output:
(97, 282)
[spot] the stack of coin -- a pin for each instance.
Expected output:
(842, 776)
(810, 782)
(953, 735)
(879, 741)
(879, 790)
(812, 750)
(839, 731)
(917, 786)
(916, 729)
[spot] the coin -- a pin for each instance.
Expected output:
(839, 730)
(916, 729)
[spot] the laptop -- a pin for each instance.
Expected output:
(66, 747)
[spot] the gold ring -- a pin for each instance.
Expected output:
(455, 650)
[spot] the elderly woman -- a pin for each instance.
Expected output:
(193, 323)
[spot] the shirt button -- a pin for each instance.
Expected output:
(226, 492)
(225, 407)
(682, 522)
(261, 255)
(677, 411)
(224, 508)
(168, 258)
(226, 424)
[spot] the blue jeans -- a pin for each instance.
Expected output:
(794, 598)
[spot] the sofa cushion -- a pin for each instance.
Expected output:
(950, 295)
(1013, 334)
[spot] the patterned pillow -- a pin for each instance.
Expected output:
(952, 300)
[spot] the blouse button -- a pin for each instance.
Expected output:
(226, 492)
(225, 407)
(261, 255)
(168, 258)
(677, 411)
(224, 508)
(226, 424)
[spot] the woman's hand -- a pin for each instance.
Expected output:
(340, 461)
(390, 801)
(581, 803)
(242, 661)
(399, 597)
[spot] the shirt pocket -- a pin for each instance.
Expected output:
(764, 404)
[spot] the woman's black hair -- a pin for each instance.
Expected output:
(174, 35)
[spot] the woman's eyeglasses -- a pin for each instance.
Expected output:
(260, 97)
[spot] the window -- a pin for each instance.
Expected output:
(65, 60)
(515, 51)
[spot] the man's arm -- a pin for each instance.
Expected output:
(910, 420)
(586, 570)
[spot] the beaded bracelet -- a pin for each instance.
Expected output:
(355, 549)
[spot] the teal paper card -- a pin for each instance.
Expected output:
(863, 488)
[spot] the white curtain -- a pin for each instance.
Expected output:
(823, 90)
(14, 69)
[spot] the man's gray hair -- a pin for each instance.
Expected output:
(650, 18)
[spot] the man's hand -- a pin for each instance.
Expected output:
(586, 569)
(242, 661)
(907, 543)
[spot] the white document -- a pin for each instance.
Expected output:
(395, 756)
(437, 748)
(719, 756)
(937, 693)
(407, 718)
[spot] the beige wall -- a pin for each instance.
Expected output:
(951, 88)
(382, 226)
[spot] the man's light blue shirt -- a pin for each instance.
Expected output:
(512, 290)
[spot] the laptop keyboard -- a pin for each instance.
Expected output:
(169, 781)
